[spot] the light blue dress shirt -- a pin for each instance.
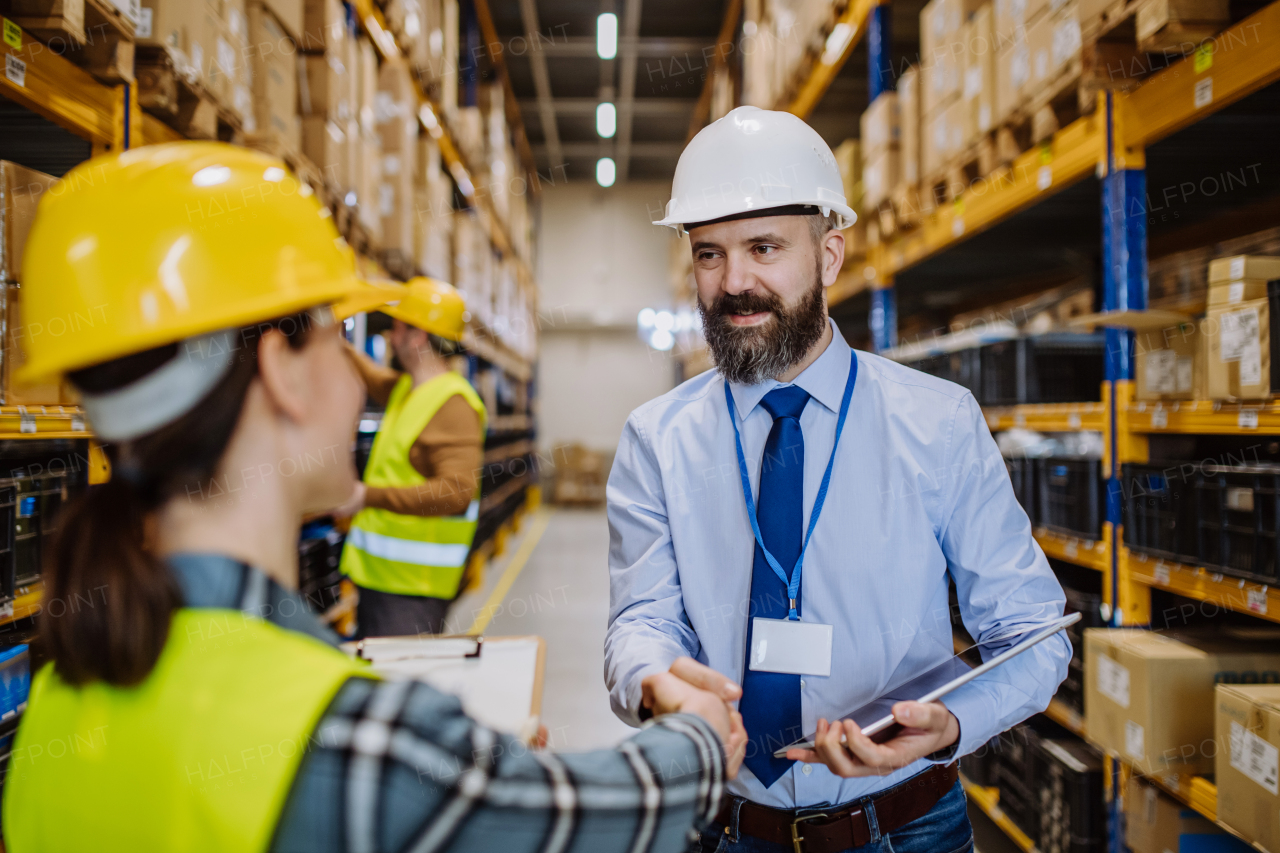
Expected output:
(919, 491)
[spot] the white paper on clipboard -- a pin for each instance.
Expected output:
(939, 680)
(498, 679)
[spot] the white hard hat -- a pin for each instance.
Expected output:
(755, 160)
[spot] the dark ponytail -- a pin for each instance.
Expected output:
(102, 552)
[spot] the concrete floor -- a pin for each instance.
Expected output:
(561, 593)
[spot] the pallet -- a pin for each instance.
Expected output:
(1179, 26)
(169, 88)
(91, 33)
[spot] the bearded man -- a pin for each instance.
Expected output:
(791, 521)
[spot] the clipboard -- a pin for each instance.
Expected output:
(498, 679)
(941, 679)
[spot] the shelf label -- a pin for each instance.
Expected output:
(1257, 600)
(1044, 178)
(6, 610)
(1160, 418)
(77, 423)
(1204, 92)
(12, 34)
(15, 69)
(1113, 681)
(1162, 573)
(1204, 57)
(1073, 421)
(1133, 740)
(1247, 419)
(1255, 758)
(26, 422)
(1070, 549)
(957, 227)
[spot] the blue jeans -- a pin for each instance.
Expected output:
(945, 829)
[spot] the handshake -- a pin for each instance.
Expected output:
(689, 687)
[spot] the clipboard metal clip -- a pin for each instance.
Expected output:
(367, 649)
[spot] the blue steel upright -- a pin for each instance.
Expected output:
(883, 317)
(1124, 288)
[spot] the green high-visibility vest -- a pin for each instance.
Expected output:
(411, 554)
(198, 757)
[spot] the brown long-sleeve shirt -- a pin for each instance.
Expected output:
(449, 452)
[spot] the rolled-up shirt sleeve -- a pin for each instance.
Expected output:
(648, 628)
(1003, 582)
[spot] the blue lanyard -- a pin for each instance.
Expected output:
(792, 585)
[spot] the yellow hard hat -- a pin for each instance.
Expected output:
(433, 306)
(372, 295)
(167, 242)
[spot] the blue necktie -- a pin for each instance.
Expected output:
(770, 703)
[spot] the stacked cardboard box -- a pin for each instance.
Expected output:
(396, 118)
(209, 43)
(1169, 363)
(365, 148)
(1247, 770)
(1149, 697)
(325, 92)
(1156, 823)
(274, 71)
(944, 37)
(979, 86)
(1238, 327)
(881, 149)
(1036, 40)
(433, 212)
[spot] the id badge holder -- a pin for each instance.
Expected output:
(785, 645)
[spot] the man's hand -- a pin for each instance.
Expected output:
(848, 752)
(681, 690)
(353, 504)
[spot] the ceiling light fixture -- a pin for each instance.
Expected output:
(606, 120)
(607, 35)
(606, 172)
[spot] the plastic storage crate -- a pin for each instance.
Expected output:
(1070, 496)
(319, 559)
(962, 367)
(1070, 802)
(1053, 368)
(29, 513)
(15, 680)
(1015, 777)
(1236, 522)
(1159, 511)
(1022, 473)
(1088, 605)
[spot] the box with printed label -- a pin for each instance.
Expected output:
(879, 176)
(941, 139)
(979, 86)
(1054, 42)
(940, 23)
(940, 78)
(1239, 343)
(1011, 18)
(324, 26)
(275, 79)
(1244, 266)
(1169, 363)
(880, 125)
(1013, 71)
(1157, 823)
(1247, 770)
(1235, 292)
(1149, 696)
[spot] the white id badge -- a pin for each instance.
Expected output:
(783, 645)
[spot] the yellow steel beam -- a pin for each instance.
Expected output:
(1089, 553)
(826, 67)
(1202, 584)
(1048, 417)
(1236, 62)
(1204, 417)
(49, 84)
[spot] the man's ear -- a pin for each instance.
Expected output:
(832, 256)
(283, 372)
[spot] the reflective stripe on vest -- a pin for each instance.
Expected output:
(199, 757)
(411, 554)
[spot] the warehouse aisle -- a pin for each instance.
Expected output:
(562, 595)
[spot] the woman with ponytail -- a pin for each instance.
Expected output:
(198, 705)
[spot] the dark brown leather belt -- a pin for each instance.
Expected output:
(842, 827)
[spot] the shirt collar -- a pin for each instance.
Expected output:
(824, 380)
(218, 581)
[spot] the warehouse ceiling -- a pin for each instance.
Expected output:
(559, 79)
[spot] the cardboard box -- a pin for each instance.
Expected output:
(909, 116)
(20, 192)
(1012, 18)
(979, 86)
(849, 161)
(1247, 726)
(396, 108)
(165, 23)
(1148, 696)
(1013, 71)
(290, 15)
(1168, 363)
(1054, 41)
(275, 79)
(879, 176)
(48, 393)
(941, 139)
(324, 88)
(1157, 823)
(1235, 292)
(1239, 351)
(940, 23)
(1175, 25)
(940, 79)
(1244, 266)
(324, 26)
(880, 125)
(396, 116)
(324, 143)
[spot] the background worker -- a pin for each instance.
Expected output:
(208, 708)
(417, 509)
(824, 497)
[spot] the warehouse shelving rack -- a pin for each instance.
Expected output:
(109, 117)
(1109, 143)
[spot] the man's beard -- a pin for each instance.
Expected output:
(750, 354)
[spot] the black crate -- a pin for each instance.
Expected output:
(1159, 511)
(1070, 496)
(1053, 368)
(1237, 516)
(961, 367)
(979, 766)
(1070, 806)
(1022, 474)
(319, 562)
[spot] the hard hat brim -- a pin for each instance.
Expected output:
(416, 321)
(370, 296)
(843, 210)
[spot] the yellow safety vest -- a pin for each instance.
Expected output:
(411, 554)
(199, 757)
